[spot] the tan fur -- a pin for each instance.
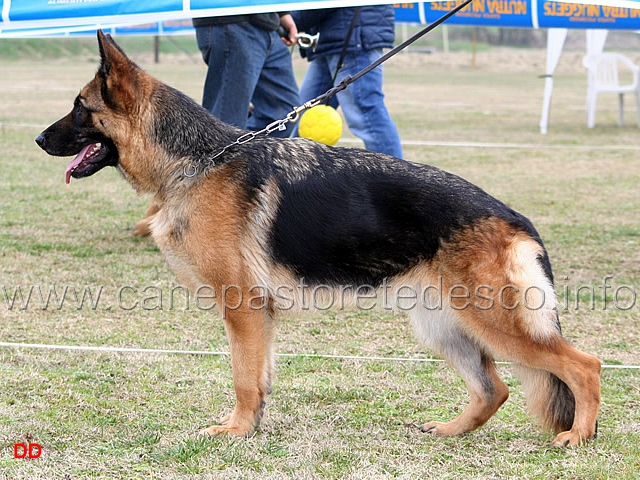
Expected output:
(207, 253)
(522, 335)
(143, 227)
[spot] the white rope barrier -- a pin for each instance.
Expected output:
(88, 348)
(438, 143)
(534, 146)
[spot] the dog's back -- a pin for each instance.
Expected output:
(347, 215)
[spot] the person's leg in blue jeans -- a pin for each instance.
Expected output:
(317, 80)
(236, 55)
(276, 93)
(363, 105)
(362, 102)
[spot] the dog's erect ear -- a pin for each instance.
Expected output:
(118, 73)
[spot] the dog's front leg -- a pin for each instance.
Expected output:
(250, 333)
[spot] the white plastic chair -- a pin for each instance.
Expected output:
(603, 78)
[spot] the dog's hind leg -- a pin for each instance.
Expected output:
(561, 384)
(143, 227)
(487, 392)
(519, 323)
(562, 387)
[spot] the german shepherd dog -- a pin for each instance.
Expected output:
(281, 214)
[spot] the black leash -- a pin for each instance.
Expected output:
(343, 53)
(349, 80)
(191, 170)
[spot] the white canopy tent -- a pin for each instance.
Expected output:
(555, 42)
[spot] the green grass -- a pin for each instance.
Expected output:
(12, 49)
(125, 415)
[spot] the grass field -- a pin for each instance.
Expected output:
(137, 415)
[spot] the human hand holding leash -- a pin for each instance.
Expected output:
(288, 31)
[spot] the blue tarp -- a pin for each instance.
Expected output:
(37, 14)
(28, 18)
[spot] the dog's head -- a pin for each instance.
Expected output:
(102, 120)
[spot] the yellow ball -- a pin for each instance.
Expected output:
(322, 124)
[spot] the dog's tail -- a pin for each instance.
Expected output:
(548, 398)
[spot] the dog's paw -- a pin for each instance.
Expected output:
(439, 429)
(230, 430)
(142, 228)
(230, 425)
(570, 438)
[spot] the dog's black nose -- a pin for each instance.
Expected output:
(40, 140)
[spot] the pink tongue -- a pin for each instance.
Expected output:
(76, 161)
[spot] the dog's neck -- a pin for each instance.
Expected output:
(175, 149)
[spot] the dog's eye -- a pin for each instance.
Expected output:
(80, 112)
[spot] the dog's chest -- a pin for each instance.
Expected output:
(169, 231)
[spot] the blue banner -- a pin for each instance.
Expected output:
(36, 10)
(266, 5)
(28, 18)
(31, 14)
(409, 12)
(488, 13)
(567, 15)
(536, 14)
